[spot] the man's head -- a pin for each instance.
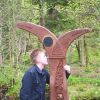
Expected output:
(39, 56)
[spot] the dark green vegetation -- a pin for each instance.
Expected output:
(84, 83)
(58, 16)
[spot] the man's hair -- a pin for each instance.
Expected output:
(34, 53)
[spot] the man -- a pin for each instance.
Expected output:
(35, 79)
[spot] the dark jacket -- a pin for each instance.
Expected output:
(33, 84)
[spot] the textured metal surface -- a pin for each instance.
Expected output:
(56, 49)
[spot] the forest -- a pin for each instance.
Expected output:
(58, 16)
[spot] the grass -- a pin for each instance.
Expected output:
(84, 86)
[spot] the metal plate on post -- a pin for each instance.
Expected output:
(48, 41)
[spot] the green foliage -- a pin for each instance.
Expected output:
(59, 16)
(11, 78)
(81, 88)
(25, 58)
(79, 80)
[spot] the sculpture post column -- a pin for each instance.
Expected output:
(56, 49)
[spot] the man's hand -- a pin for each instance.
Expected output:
(67, 70)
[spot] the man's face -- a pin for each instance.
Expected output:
(42, 58)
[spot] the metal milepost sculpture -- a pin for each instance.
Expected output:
(56, 49)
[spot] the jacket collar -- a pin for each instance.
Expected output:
(38, 70)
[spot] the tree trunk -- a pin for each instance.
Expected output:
(70, 54)
(86, 51)
(42, 16)
(82, 51)
(78, 50)
(1, 60)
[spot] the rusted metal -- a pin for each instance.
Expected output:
(56, 49)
